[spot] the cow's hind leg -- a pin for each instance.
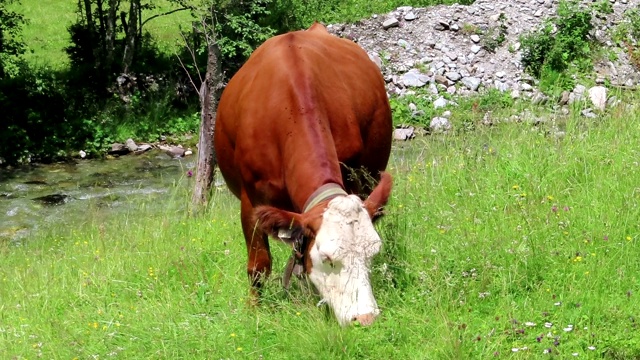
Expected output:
(259, 256)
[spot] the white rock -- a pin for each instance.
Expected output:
(440, 102)
(502, 87)
(131, 145)
(472, 83)
(439, 124)
(598, 96)
(389, 23)
(414, 78)
(453, 76)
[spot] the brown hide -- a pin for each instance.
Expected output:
(305, 107)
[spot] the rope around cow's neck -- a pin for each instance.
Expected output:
(324, 192)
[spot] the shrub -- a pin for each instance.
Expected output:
(11, 45)
(568, 45)
(40, 127)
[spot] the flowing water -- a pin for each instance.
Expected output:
(61, 194)
(66, 194)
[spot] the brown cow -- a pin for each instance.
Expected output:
(305, 109)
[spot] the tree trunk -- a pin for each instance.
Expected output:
(102, 29)
(111, 33)
(130, 37)
(210, 92)
(88, 14)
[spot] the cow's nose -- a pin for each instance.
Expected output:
(365, 319)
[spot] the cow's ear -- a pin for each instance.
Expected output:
(379, 196)
(280, 224)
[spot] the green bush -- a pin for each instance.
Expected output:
(553, 83)
(35, 109)
(568, 45)
(11, 45)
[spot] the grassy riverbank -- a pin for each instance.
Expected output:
(505, 241)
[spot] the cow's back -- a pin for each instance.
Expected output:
(305, 98)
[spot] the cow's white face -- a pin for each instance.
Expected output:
(341, 255)
(338, 257)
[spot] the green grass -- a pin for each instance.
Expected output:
(46, 33)
(490, 234)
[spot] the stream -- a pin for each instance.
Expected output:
(39, 196)
(60, 194)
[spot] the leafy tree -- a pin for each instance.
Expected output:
(240, 26)
(546, 49)
(11, 46)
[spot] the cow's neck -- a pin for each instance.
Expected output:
(312, 174)
(311, 159)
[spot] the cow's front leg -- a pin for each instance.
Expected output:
(259, 256)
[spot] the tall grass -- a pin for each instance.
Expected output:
(503, 242)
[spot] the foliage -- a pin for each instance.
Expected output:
(536, 47)
(633, 20)
(41, 129)
(11, 45)
(62, 117)
(470, 29)
(561, 42)
(603, 7)
(504, 243)
(553, 83)
(466, 114)
(561, 47)
(104, 45)
(83, 107)
(241, 28)
(404, 115)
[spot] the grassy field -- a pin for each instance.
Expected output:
(46, 32)
(502, 242)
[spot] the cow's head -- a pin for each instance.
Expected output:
(340, 242)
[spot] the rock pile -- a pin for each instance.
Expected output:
(442, 48)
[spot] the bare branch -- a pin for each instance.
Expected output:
(189, 75)
(163, 14)
(195, 63)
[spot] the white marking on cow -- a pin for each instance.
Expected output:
(344, 246)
